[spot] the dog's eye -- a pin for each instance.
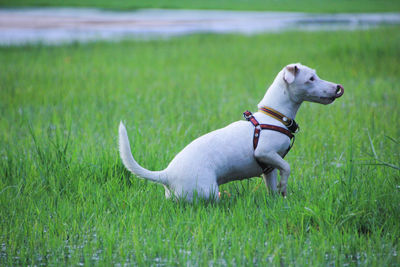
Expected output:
(312, 78)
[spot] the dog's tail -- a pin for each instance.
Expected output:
(131, 164)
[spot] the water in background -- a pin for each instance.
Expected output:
(61, 25)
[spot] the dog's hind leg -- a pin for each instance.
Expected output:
(210, 192)
(206, 189)
(207, 186)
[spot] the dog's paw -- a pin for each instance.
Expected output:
(225, 194)
(282, 189)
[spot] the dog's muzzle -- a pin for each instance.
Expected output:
(339, 91)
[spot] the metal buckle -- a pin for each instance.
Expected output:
(292, 125)
(247, 115)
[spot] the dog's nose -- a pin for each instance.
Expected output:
(339, 91)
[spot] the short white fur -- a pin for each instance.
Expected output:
(227, 154)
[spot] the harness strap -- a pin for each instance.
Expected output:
(288, 122)
(276, 128)
(258, 127)
(256, 136)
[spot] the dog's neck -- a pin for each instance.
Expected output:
(277, 97)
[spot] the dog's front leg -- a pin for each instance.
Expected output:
(270, 180)
(275, 160)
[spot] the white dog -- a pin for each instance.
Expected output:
(231, 153)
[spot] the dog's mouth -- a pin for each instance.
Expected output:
(339, 92)
(327, 100)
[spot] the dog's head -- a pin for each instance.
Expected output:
(303, 84)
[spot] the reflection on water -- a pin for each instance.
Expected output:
(60, 25)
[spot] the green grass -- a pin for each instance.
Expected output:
(65, 197)
(272, 5)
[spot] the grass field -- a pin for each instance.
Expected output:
(65, 197)
(272, 5)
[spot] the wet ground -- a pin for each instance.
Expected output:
(60, 25)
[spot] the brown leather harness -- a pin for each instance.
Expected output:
(291, 124)
(288, 122)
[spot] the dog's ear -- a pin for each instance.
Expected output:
(290, 73)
